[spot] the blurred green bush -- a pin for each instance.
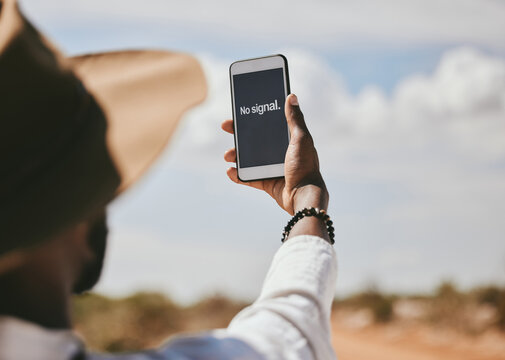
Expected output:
(145, 320)
(379, 304)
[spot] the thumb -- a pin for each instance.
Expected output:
(294, 115)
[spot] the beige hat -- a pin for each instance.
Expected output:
(75, 132)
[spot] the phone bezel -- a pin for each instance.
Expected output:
(247, 66)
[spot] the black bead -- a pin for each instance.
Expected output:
(320, 214)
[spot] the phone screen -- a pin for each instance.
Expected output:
(262, 132)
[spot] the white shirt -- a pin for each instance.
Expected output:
(289, 320)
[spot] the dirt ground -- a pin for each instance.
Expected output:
(414, 342)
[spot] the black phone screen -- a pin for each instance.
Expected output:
(262, 132)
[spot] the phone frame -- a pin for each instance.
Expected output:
(248, 66)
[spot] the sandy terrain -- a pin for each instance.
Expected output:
(391, 342)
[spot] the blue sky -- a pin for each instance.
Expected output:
(406, 102)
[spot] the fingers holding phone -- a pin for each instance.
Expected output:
(274, 153)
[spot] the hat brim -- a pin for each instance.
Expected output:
(143, 95)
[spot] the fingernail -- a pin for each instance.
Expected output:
(293, 100)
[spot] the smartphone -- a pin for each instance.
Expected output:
(259, 88)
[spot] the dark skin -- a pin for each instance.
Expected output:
(39, 289)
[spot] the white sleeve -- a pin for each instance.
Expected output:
(291, 318)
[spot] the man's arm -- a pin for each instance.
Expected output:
(291, 317)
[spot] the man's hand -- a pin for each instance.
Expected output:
(302, 185)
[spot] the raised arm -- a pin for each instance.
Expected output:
(290, 319)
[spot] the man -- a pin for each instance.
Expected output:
(74, 134)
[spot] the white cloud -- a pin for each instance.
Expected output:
(329, 24)
(465, 83)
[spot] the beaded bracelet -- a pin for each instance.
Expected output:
(320, 214)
